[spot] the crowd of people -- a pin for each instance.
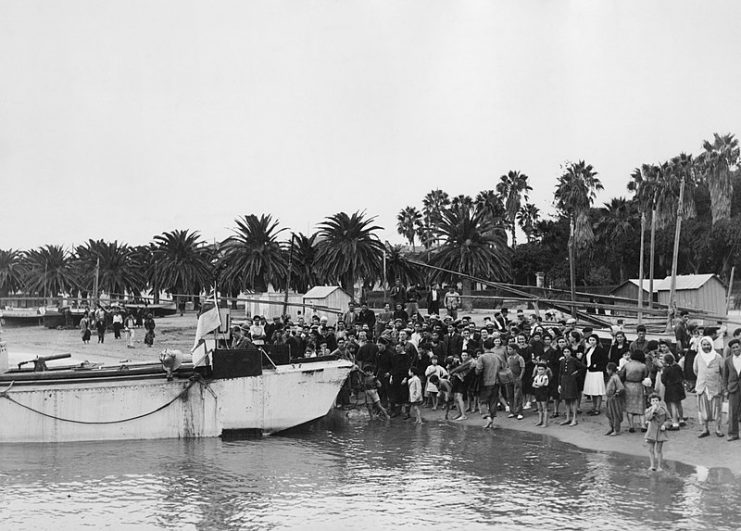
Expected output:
(521, 365)
(101, 319)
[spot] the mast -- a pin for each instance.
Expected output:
(95, 283)
(288, 278)
(640, 268)
(677, 232)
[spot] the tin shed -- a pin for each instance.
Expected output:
(328, 296)
(699, 292)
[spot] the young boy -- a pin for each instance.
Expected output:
(444, 392)
(371, 386)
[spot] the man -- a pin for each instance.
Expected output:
(433, 300)
(640, 342)
(401, 314)
(452, 301)
(239, 340)
(412, 307)
(731, 383)
(487, 365)
(367, 317)
(350, 316)
(398, 293)
(367, 353)
(681, 334)
(383, 319)
(727, 350)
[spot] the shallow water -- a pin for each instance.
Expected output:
(356, 474)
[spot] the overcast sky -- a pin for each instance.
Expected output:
(123, 119)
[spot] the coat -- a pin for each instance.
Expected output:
(730, 379)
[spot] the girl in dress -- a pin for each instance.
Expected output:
(656, 416)
(614, 392)
(594, 384)
(541, 391)
(672, 378)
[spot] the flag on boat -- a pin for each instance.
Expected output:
(208, 321)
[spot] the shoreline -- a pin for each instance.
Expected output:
(177, 332)
(683, 446)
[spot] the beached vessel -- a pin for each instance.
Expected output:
(240, 391)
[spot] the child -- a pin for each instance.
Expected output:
(656, 416)
(540, 390)
(432, 390)
(415, 393)
(672, 377)
(371, 385)
(614, 391)
(444, 392)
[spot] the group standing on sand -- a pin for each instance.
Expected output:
(102, 319)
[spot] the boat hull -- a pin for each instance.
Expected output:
(150, 407)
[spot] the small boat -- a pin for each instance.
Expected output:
(243, 391)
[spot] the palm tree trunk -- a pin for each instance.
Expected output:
(572, 266)
(640, 268)
(651, 259)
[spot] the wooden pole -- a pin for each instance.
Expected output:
(675, 256)
(730, 290)
(640, 268)
(288, 278)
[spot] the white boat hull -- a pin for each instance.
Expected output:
(127, 408)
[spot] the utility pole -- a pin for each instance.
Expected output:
(653, 253)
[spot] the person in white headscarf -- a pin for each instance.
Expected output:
(708, 388)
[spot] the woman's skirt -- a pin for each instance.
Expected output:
(635, 398)
(708, 408)
(594, 384)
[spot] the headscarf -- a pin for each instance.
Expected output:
(707, 357)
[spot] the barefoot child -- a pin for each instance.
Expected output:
(673, 379)
(415, 393)
(371, 385)
(540, 390)
(656, 416)
(432, 390)
(614, 391)
(444, 392)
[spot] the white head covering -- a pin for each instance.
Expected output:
(707, 357)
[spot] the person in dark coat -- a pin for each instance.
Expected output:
(570, 370)
(384, 364)
(398, 390)
(672, 377)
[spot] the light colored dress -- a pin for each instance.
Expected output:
(656, 419)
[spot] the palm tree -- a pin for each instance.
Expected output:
(398, 267)
(347, 248)
(462, 201)
(433, 203)
(614, 229)
(303, 270)
(180, 264)
(117, 270)
(253, 255)
(575, 192)
(11, 271)
(491, 202)
(48, 270)
(514, 188)
(472, 244)
(409, 220)
(528, 218)
(142, 261)
(716, 161)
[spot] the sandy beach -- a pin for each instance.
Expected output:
(177, 332)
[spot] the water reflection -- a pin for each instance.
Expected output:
(356, 475)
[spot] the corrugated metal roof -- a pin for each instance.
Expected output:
(320, 292)
(683, 282)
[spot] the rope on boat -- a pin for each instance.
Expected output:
(184, 392)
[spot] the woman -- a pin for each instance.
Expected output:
(552, 358)
(619, 347)
(577, 351)
(570, 370)
(632, 374)
(526, 351)
(707, 367)
(594, 383)
(257, 331)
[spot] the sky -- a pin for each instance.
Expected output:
(123, 120)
